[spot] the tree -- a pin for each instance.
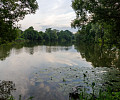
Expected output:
(96, 10)
(65, 35)
(31, 34)
(41, 35)
(12, 11)
(104, 12)
(52, 34)
(7, 32)
(15, 10)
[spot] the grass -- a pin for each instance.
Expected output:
(106, 95)
(102, 95)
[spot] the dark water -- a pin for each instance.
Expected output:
(54, 71)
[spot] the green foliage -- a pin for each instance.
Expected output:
(87, 33)
(31, 34)
(104, 16)
(15, 10)
(41, 35)
(11, 11)
(97, 11)
(7, 32)
(65, 36)
(100, 55)
(108, 95)
(50, 35)
(97, 33)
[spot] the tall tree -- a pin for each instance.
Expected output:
(11, 11)
(52, 34)
(31, 34)
(96, 10)
(104, 12)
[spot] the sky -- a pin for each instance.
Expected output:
(55, 14)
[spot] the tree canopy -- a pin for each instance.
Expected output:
(96, 10)
(50, 35)
(103, 13)
(15, 10)
(11, 11)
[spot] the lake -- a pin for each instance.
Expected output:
(55, 71)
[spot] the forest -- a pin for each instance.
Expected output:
(97, 22)
(50, 35)
(14, 11)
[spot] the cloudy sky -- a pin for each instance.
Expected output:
(56, 14)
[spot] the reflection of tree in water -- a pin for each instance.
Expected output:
(32, 47)
(4, 52)
(105, 56)
(6, 87)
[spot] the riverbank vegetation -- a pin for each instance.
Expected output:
(11, 11)
(102, 95)
(14, 11)
(50, 35)
(97, 21)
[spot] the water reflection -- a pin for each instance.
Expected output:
(32, 47)
(54, 72)
(100, 56)
(106, 56)
(4, 52)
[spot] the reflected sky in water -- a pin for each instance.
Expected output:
(50, 72)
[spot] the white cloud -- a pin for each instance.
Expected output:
(53, 13)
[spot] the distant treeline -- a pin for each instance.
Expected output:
(50, 35)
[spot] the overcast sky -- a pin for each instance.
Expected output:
(56, 14)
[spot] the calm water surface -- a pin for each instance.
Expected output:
(53, 72)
